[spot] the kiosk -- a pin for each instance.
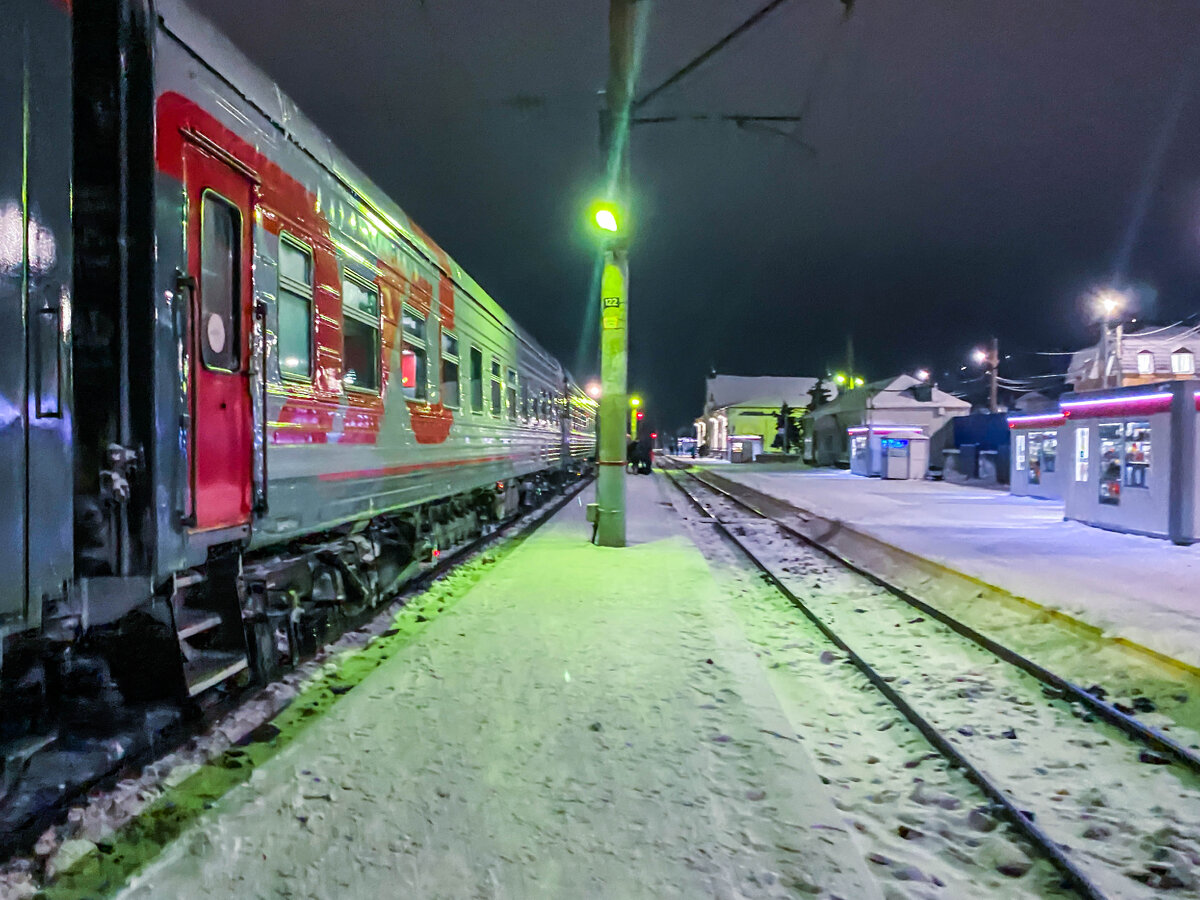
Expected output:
(889, 451)
(1131, 459)
(744, 447)
(1035, 466)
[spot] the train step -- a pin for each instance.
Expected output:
(208, 626)
(204, 669)
(190, 622)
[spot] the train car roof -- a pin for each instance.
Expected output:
(213, 48)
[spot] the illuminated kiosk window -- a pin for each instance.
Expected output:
(858, 447)
(450, 388)
(295, 304)
(1109, 459)
(511, 393)
(1137, 454)
(1183, 362)
(360, 335)
(1035, 457)
(476, 380)
(497, 394)
(1145, 361)
(1081, 454)
(1020, 452)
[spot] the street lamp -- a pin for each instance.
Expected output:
(922, 374)
(593, 390)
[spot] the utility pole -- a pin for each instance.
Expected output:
(614, 284)
(994, 361)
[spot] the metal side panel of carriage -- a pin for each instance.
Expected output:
(35, 303)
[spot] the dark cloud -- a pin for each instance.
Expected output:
(975, 166)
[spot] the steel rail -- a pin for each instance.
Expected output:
(1129, 725)
(1046, 845)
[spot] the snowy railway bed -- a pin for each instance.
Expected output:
(1116, 808)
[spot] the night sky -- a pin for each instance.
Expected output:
(963, 168)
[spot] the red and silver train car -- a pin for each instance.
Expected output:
(270, 395)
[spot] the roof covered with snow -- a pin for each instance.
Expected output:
(721, 391)
(900, 392)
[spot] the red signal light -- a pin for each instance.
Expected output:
(641, 416)
(653, 435)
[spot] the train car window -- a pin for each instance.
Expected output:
(295, 307)
(220, 284)
(511, 392)
(413, 359)
(497, 397)
(360, 335)
(476, 380)
(450, 395)
(524, 401)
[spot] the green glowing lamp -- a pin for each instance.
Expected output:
(607, 217)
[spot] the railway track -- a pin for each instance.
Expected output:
(47, 813)
(1112, 803)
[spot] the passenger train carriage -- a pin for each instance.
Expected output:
(262, 393)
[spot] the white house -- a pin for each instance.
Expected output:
(902, 402)
(1149, 356)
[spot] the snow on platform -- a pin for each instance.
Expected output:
(584, 723)
(1139, 588)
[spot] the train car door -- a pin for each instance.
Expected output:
(220, 202)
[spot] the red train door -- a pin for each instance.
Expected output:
(219, 238)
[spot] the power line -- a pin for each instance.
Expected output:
(698, 61)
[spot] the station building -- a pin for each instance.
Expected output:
(743, 410)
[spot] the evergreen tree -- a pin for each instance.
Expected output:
(818, 395)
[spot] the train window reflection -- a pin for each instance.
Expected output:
(360, 335)
(413, 356)
(450, 395)
(220, 255)
(476, 380)
(295, 303)
(497, 398)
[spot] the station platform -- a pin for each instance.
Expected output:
(1137, 588)
(583, 722)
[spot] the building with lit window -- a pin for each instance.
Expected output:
(1149, 356)
(747, 406)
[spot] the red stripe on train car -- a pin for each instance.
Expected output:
(407, 469)
(286, 204)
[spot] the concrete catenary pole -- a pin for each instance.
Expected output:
(614, 285)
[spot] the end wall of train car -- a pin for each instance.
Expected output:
(35, 309)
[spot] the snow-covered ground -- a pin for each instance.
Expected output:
(1139, 588)
(585, 722)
